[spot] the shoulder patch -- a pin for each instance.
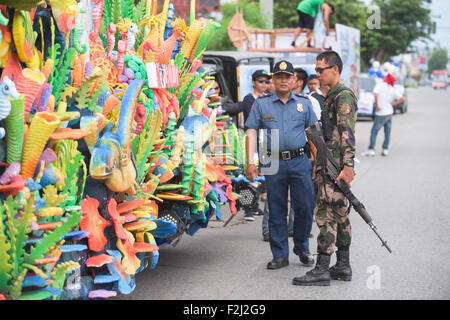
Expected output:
(345, 108)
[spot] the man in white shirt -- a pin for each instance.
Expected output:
(386, 98)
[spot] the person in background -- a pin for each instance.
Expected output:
(270, 89)
(307, 11)
(260, 81)
(314, 89)
(227, 104)
(386, 98)
(270, 86)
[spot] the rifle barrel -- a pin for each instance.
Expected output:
(383, 243)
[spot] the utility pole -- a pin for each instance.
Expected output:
(266, 9)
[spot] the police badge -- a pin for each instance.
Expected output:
(299, 107)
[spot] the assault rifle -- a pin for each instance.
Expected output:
(332, 170)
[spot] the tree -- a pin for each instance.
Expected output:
(438, 60)
(402, 22)
(252, 17)
(285, 14)
(350, 13)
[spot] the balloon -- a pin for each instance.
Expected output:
(380, 74)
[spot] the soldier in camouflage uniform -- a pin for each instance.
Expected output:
(332, 207)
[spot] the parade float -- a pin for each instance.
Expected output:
(109, 146)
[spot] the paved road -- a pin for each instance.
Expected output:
(407, 194)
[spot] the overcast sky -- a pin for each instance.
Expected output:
(441, 14)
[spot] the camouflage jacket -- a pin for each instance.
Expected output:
(342, 112)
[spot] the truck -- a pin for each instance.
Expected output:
(440, 79)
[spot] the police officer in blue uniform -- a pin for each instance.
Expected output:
(285, 115)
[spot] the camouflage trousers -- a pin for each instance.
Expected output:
(331, 213)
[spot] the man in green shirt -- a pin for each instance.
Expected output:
(307, 11)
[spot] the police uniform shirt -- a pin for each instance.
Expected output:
(291, 119)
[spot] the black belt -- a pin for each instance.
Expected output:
(287, 155)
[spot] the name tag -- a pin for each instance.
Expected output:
(269, 117)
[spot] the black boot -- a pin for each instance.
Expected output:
(342, 270)
(319, 276)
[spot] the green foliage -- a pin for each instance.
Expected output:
(92, 104)
(285, 14)
(53, 52)
(70, 161)
(5, 265)
(170, 129)
(52, 238)
(349, 13)
(23, 229)
(438, 60)
(15, 261)
(186, 89)
(72, 185)
(107, 12)
(139, 12)
(188, 165)
(106, 20)
(144, 145)
(252, 17)
(127, 8)
(59, 274)
(11, 232)
(84, 97)
(62, 69)
(15, 290)
(185, 108)
(207, 34)
(402, 22)
(115, 11)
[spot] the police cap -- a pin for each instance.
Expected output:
(260, 73)
(283, 66)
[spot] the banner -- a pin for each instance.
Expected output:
(349, 49)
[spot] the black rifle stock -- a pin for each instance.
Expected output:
(331, 169)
